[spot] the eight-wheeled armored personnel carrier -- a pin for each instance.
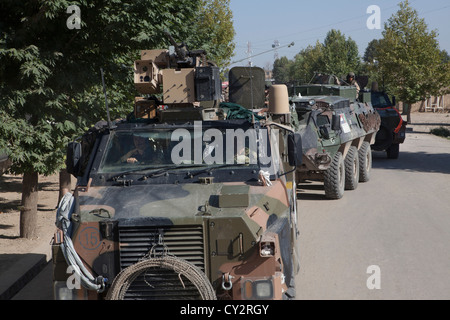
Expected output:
(188, 198)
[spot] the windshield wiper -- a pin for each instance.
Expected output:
(159, 172)
(210, 168)
(188, 169)
(146, 169)
(151, 172)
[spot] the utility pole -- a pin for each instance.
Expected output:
(275, 45)
(249, 53)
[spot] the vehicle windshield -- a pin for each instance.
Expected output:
(129, 151)
(380, 100)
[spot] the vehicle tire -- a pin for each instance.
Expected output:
(352, 169)
(334, 178)
(393, 151)
(365, 162)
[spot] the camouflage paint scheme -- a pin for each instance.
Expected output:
(237, 224)
(235, 219)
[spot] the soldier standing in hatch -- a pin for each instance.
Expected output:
(351, 81)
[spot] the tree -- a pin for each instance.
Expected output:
(369, 65)
(337, 55)
(307, 63)
(50, 80)
(214, 31)
(412, 64)
(340, 55)
(282, 70)
(371, 51)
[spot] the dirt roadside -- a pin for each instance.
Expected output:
(11, 188)
(10, 200)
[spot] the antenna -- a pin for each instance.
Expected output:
(106, 99)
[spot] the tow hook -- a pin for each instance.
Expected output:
(226, 281)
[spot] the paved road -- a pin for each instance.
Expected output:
(398, 222)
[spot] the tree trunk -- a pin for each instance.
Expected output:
(408, 113)
(65, 183)
(28, 211)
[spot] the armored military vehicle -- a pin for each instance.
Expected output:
(392, 131)
(337, 132)
(188, 198)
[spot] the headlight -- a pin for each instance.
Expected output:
(263, 289)
(257, 289)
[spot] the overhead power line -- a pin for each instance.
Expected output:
(261, 53)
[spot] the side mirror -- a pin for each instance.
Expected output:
(73, 157)
(335, 122)
(295, 149)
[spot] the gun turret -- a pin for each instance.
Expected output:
(183, 77)
(183, 57)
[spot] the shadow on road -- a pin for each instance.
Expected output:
(407, 161)
(413, 161)
(311, 190)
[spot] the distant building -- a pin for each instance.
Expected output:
(268, 74)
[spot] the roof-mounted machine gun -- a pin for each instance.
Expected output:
(182, 76)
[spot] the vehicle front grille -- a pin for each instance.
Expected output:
(185, 242)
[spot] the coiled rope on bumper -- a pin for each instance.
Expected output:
(126, 277)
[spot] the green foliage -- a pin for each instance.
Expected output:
(50, 82)
(411, 63)
(213, 31)
(281, 70)
(370, 66)
(307, 63)
(338, 55)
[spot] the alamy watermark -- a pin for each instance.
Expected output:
(74, 20)
(374, 21)
(214, 146)
(374, 280)
(73, 281)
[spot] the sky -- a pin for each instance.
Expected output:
(260, 23)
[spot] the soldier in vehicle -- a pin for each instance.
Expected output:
(145, 150)
(350, 81)
(140, 151)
